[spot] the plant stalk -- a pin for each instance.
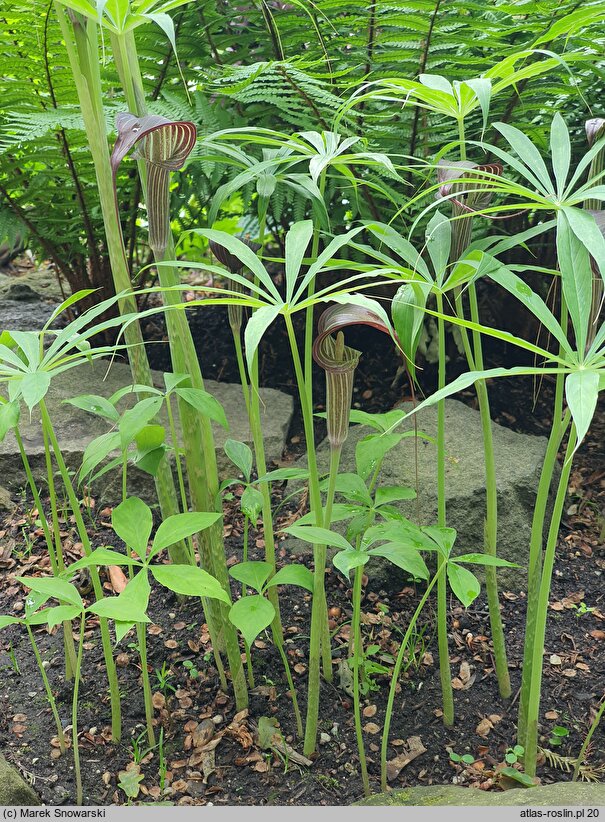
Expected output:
(533, 705)
(445, 673)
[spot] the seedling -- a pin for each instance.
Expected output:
(558, 735)
(464, 759)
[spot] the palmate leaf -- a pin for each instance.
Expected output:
(582, 393)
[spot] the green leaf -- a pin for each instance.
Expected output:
(136, 418)
(5, 621)
(53, 587)
(95, 404)
(180, 526)
(353, 488)
(585, 228)
(251, 615)
(205, 403)
(102, 557)
(379, 422)
(576, 275)
(486, 559)
(62, 613)
(348, 559)
(392, 493)
(293, 575)
(149, 461)
(130, 605)
(9, 417)
(535, 167)
(560, 149)
(519, 289)
(371, 451)
(132, 521)
(122, 628)
(518, 776)
(251, 503)
(408, 318)
(150, 438)
(297, 240)
(189, 580)
(582, 393)
(404, 557)
(240, 455)
(97, 450)
(317, 536)
(281, 474)
(171, 380)
(253, 574)
(463, 583)
(256, 326)
(438, 243)
(443, 537)
(34, 387)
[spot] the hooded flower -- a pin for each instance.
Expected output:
(339, 361)
(230, 261)
(164, 145)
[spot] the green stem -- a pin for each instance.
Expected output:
(535, 567)
(142, 643)
(81, 43)
(112, 677)
(249, 666)
(74, 714)
(308, 355)
(288, 672)
(189, 543)
(68, 640)
(533, 705)
(357, 653)
(491, 523)
(397, 670)
(586, 743)
(558, 429)
(445, 673)
(319, 607)
(49, 694)
(326, 643)
(198, 439)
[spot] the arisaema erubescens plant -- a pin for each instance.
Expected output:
(132, 522)
(71, 606)
(577, 365)
(268, 304)
(80, 30)
(27, 367)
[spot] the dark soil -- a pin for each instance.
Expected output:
(574, 669)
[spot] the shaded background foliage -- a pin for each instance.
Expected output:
(285, 66)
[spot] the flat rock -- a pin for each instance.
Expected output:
(13, 788)
(561, 794)
(76, 428)
(518, 459)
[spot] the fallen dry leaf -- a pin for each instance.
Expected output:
(204, 732)
(371, 728)
(369, 711)
(597, 634)
(159, 701)
(555, 659)
(117, 577)
(484, 727)
(465, 678)
(551, 715)
(414, 749)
